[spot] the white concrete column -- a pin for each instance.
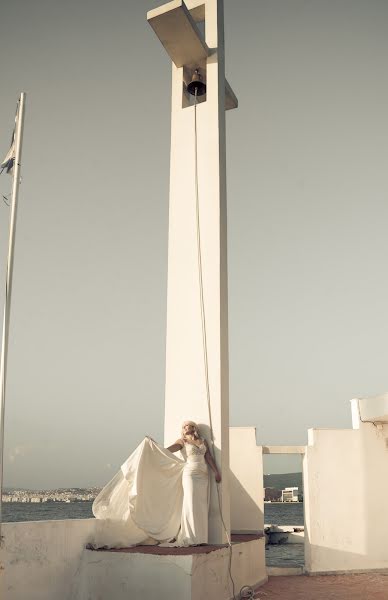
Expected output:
(185, 375)
(175, 23)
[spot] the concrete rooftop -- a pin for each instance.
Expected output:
(373, 586)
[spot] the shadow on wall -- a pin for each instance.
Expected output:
(338, 561)
(245, 514)
(214, 507)
(246, 481)
(374, 452)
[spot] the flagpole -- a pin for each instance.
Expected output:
(8, 286)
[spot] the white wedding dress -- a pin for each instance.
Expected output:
(155, 495)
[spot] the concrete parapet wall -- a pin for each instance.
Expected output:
(47, 560)
(246, 481)
(40, 559)
(345, 494)
(123, 576)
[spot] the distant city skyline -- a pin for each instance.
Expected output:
(307, 218)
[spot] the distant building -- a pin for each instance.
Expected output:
(290, 494)
(272, 495)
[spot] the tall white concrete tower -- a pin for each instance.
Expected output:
(192, 33)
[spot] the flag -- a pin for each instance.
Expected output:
(9, 160)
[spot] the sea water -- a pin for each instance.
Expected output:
(284, 555)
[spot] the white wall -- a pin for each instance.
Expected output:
(210, 578)
(345, 493)
(40, 560)
(127, 576)
(373, 409)
(46, 560)
(246, 481)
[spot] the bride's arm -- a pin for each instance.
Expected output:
(212, 464)
(178, 445)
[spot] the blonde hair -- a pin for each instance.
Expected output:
(197, 435)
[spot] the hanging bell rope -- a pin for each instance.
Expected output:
(246, 592)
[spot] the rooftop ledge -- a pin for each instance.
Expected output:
(236, 538)
(374, 409)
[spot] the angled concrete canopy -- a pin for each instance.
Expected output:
(175, 25)
(177, 31)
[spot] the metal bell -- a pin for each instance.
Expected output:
(197, 87)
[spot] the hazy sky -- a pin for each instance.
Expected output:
(307, 223)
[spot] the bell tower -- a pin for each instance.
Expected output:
(197, 378)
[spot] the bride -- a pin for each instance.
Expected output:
(157, 497)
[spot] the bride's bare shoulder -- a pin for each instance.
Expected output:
(178, 445)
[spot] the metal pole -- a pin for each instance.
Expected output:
(8, 286)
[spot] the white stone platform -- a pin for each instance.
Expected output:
(153, 572)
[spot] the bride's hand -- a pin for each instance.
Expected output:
(217, 477)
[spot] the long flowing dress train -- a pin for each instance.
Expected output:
(155, 495)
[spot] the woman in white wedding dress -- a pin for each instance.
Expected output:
(195, 482)
(157, 497)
